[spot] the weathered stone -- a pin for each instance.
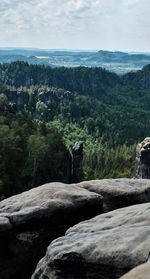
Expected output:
(140, 272)
(18, 97)
(31, 220)
(105, 247)
(143, 159)
(77, 152)
(22, 97)
(47, 96)
(119, 193)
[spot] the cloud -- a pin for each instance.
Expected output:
(35, 17)
(46, 12)
(75, 23)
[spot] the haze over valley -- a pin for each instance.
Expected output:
(119, 62)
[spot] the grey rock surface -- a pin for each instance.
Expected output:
(105, 247)
(143, 159)
(140, 272)
(77, 152)
(31, 220)
(119, 193)
(47, 96)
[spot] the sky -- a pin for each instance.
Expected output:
(76, 24)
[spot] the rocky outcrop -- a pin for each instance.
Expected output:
(31, 220)
(105, 247)
(143, 159)
(47, 96)
(119, 193)
(18, 97)
(77, 152)
(140, 272)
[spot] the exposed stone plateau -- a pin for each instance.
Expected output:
(105, 247)
(119, 193)
(31, 220)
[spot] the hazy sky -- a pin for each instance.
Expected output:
(76, 24)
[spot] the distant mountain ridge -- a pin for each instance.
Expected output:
(117, 61)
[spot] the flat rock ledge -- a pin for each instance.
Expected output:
(140, 272)
(119, 193)
(105, 247)
(31, 220)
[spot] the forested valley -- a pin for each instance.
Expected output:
(44, 111)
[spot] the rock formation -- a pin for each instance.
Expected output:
(18, 97)
(77, 152)
(51, 96)
(140, 272)
(31, 220)
(47, 96)
(143, 159)
(105, 247)
(119, 193)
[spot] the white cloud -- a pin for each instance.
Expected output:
(42, 12)
(75, 23)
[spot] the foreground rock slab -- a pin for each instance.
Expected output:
(121, 192)
(140, 272)
(31, 220)
(105, 247)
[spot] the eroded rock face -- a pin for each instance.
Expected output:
(143, 159)
(47, 96)
(105, 247)
(77, 152)
(119, 193)
(18, 97)
(31, 220)
(140, 272)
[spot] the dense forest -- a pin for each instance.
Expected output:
(30, 155)
(44, 111)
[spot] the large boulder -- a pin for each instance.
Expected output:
(143, 159)
(105, 247)
(31, 220)
(140, 272)
(119, 193)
